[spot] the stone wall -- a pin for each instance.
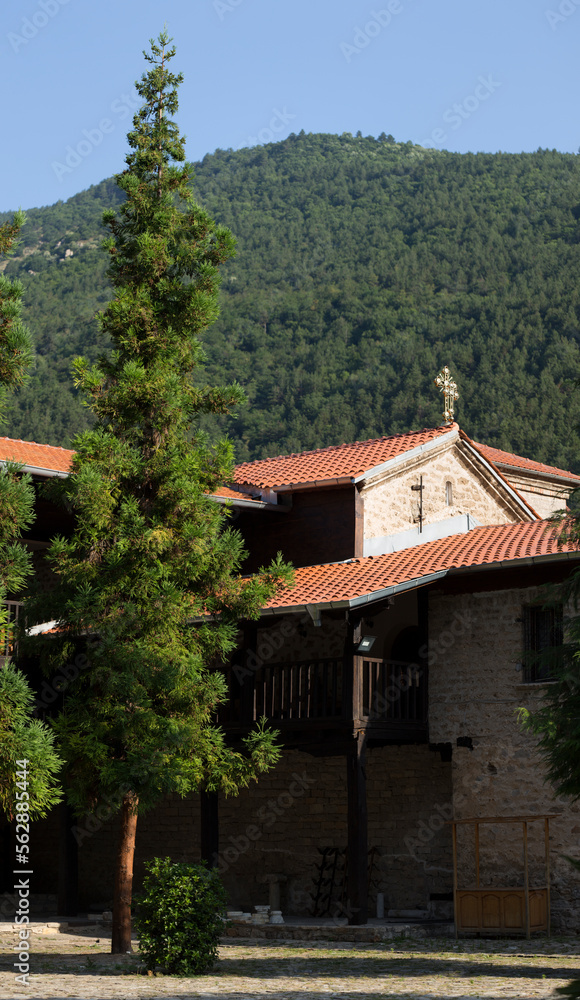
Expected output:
(279, 825)
(476, 648)
(390, 506)
(544, 496)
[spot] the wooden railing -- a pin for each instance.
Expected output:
(390, 690)
(328, 690)
(7, 645)
(310, 689)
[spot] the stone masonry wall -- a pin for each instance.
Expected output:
(391, 506)
(545, 497)
(475, 688)
(279, 824)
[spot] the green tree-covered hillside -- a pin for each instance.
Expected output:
(363, 266)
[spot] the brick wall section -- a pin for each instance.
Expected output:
(475, 691)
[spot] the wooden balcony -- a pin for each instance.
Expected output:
(385, 697)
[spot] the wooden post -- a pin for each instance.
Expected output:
(547, 849)
(248, 683)
(357, 850)
(68, 871)
(210, 842)
(359, 537)
(454, 838)
(526, 880)
(352, 694)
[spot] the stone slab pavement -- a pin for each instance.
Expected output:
(78, 966)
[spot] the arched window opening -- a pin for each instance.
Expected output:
(449, 494)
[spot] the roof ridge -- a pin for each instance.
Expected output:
(351, 444)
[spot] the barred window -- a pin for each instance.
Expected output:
(543, 638)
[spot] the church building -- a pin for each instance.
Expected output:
(393, 670)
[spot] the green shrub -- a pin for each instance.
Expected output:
(179, 917)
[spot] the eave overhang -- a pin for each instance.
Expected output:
(375, 596)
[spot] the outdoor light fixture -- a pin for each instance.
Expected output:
(366, 644)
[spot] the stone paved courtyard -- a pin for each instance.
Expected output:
(77, 965)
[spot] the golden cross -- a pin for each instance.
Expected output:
(449, 389)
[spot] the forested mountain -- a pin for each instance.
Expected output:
(364, 266)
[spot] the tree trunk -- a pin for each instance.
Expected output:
(121, 938)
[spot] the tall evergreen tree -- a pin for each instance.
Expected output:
(22, 738)
(151, 573)
(16, 492)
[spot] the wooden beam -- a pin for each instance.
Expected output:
(526, 880)
(359, 524)
(547, 849)
(357, 849)
(68, 868)
(455, 901)
(210, 841)
(248, 684)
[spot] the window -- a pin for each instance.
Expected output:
(449, 494)
(543, 638)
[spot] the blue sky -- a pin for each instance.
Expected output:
(464, 75)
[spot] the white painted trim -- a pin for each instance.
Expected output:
(250, 504)
(34, 470)
(458, 525)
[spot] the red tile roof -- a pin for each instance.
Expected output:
(518, 462)
(356, 578)
(227, 493)
(341, 461)
(37, 456)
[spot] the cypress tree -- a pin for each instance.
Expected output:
(151, 574)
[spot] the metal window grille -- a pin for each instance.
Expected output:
(543, 639)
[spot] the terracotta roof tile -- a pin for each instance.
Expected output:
(479, 547)
(227, 493)
(519, 462)
(38, 456)
(337, 462)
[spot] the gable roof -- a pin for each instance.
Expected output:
(359, 581)
(506, 458)
(338, 463)
(42, 459)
